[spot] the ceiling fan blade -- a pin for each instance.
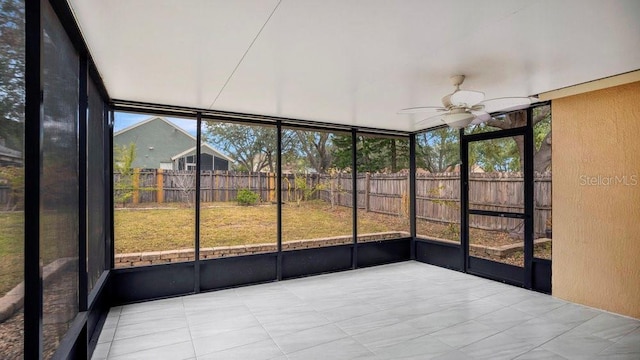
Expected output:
(420, 109)
(431, 121)
(506, 104)
(478, 107)
(481, 116)
(466, 98)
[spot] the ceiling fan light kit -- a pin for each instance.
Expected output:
(459, 120)
(464, 107)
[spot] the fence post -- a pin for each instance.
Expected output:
(269, 188)
(406, 196)
(212, 199)
(226, 186)
(160, 186)
(367, 191)
(136, 186)
(338, 193)
(215, 185)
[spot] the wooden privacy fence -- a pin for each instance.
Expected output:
(5, 196)
(437, 195)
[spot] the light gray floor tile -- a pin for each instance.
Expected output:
(439, 320)
(294, 324)
(623, 356)
(577, 345)
(216, 316)
(571, 314)
(509, 297)
(179, 351)
(101, 351)
(464, 334)
(399, 311)
(609, 326)
(340, 313)
(106, 335)
(143, 328)
(151, 316)
(537, 331)
(504, 318)
(343, 349)
(227, 340)
(424, 347)
(300, 340)
(388, 336)
(222, 324)
(621, 350)
(367, 322)
(453, 355)
(414, 309)
(164, 304)
(261, 350)
(499, 346)
(111, 321)
(538, 305)
(476, 308)
(146, 342)
(540, 354)
(629, 343)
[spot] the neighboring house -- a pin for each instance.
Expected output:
(162, 145)
(9, 157)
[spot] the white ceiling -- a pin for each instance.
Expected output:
(348, 61)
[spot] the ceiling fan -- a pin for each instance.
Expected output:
(464, 107)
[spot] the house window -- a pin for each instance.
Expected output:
(166, 166)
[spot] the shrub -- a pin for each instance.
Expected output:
(247, 197)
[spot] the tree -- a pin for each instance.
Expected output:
(123, 185)
(374, 154)
(314, 147)
(253, 147)
(542, 134)
(14, 177)
(12, 62)
(438, 150)
(185, 181)
(341, 152)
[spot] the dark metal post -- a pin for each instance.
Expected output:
(528, 201)
(412, 195)
(32, 169)
(279, 201)
(108, 178)
(112, 248)
(83, 103)
(354, 193)
(464, 200)
(196, 286)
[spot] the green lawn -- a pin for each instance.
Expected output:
(223, 224)
(11, 250)
(55, 225)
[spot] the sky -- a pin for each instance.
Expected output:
(123, 120)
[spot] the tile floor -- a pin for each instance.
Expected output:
(406, 310)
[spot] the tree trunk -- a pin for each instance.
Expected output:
(542, 158)
(394, 161)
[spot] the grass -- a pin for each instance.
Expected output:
(11, 250)
(223, 224)
(55, 224)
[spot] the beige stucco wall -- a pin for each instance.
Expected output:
(596, 199)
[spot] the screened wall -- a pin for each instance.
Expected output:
(54, 196)
(12, 177)
(115, 204)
